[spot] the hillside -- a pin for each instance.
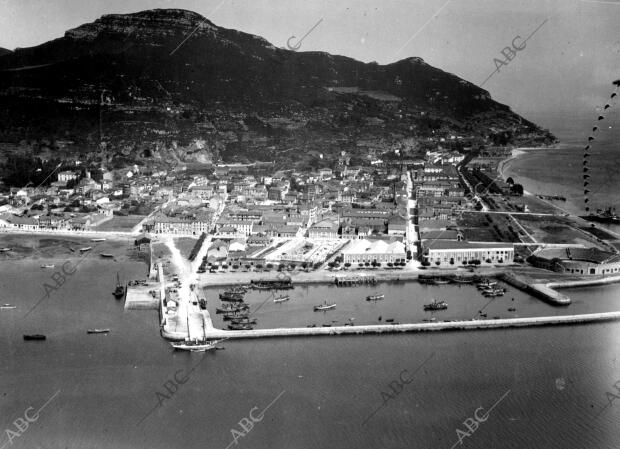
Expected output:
(120, 90)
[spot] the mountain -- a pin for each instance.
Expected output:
(168, 85)
(4, 51)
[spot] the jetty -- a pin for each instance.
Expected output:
(506, 323)
(344, 281)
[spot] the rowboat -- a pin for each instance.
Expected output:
(98, 240)
(47, 265)
(86, 248)
(28, 337)
(107, 255)
(97, 331)
(7, 307)
(281, 298)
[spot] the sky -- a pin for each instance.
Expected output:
(567, 65)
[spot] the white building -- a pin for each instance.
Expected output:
(361, 251)
(448, 252)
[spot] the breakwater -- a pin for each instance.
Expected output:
(418, 327)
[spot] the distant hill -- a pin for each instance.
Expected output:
(4, 51)
(124, 88)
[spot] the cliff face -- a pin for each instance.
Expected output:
(134, 85)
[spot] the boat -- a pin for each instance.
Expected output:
(98, 240)
(463, 280)
(7, 307)
(228, 316)
(107, 255)
(324, 307)
(240, 327)
(604, 216)
(247, 320)
(486, 284)
(119, 291)
(281, 298)
(512, 309)
(196, 345)
(28, 337)
(97, 331)
(48, 265)
(436, 305)
(375, 297)
(202, 303)
(5, 250)
(86, 248)
(231, 296)
(231, 308)
(441, 281)
(389, 320)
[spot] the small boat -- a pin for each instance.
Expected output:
(107, 255)
(86, 248)
(97, 331)
(463, 280)
(281, 298)
(231, 308)
(240, 327)
(7, 307)
(389, 320)
(375, 297)
(5, 250)
(119, 291)
(441, 281)
(29, 337)
(245, 320)
(311, 325)
(231, 296)
(98, 240)
(512, 309)
(324, 307)
(48, 265)
(196, 345)
(436, 305)
(202, 303)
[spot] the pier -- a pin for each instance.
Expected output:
(343, 281)
(506, 323)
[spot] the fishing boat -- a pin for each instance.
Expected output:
(196, 345)
(7, 307)
(231, 308)
(247, 320)
(485, 284)
(325, 306)
(97, 331)
(47, 265)
(86, 248)
(107, 255)
(231, 296)
(375, 297)
(98, 240)
(29, 337)
(436, 305)
(236, 315)
(240, 327)
(441, 281)
(281, 298)
(389, 320)
(119, 291)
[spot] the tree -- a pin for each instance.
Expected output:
(510, 181)
(259, 266)
(452, 261)
(390, 264)
(269, 266)
(488, 261)
(361, 265)
(517, 189)
(438, 263)
(425, 263)
(347, 265)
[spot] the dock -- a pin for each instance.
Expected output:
(506, 323)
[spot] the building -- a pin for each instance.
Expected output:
(362, 251)
(326, 229)
(448, 252)
(397, 225)
(581, 261)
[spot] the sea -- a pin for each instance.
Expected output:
(547, 387)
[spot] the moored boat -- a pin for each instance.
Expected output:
(47, 265)
(441, 281)
(5, 250)
(240, 327)
(119, 291)
(86, 248)
(196, 345)
(7, 307)
(246, 320)
(436, 305)
(231, 296)
(231, 308)
(97, 331)
(98, 240)
(107, 255)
